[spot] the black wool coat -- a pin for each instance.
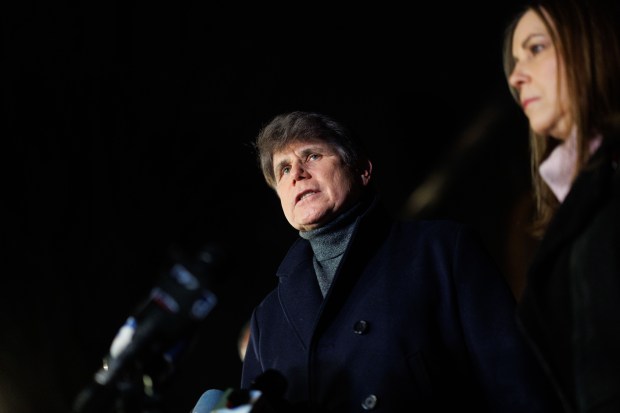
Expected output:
(570, 309)
(418, 318)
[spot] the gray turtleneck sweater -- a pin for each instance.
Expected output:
(329, 244)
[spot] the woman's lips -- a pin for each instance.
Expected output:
(527, 101)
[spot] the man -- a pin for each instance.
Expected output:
(376, 314)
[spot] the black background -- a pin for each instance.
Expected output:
(129, 128)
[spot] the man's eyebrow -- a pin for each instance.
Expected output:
(281, 164)
(302, 154)
(309, 150)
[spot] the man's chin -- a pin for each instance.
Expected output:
(305, 228)
(310, 225)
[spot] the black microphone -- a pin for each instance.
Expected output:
(159, 330)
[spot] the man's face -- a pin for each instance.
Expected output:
(314, 184)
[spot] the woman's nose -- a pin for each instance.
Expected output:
(518, 76)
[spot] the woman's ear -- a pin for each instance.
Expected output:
(366, 172)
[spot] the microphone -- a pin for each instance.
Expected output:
(228, 401)
(209, 401)
(159, 330)
(264, 395)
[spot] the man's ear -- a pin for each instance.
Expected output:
(365, 172)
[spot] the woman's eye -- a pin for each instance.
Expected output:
(536, 48)
(313, 157)
(285, 170)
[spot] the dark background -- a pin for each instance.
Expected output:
(129, 128)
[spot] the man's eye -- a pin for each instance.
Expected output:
(285, 170)
(313, 157)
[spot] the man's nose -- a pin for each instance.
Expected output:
(299, 172)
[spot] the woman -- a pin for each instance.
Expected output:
(562, 62)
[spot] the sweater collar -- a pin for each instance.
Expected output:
(331, 240)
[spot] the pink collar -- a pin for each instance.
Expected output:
(558, 169)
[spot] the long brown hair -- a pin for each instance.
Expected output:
(585, 36)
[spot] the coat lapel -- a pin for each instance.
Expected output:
(589, 191)
(298, 290)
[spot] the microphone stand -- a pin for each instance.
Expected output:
(131, 390)
(144, 351)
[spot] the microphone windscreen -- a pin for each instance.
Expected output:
(208, 401)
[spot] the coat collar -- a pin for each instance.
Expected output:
(298, 289)
(590, 190)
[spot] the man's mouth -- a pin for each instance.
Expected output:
(304, 195)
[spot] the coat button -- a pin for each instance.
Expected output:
(360, 327)
(370, 402)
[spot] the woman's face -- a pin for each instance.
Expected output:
(538, 76)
